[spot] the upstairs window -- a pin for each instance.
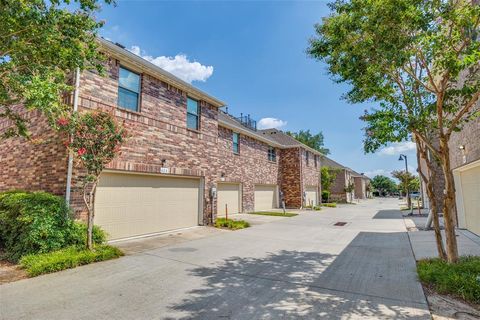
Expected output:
(272, 154)
(315, 159)
(236, 142)
(307, 156)
(128, 89)
(192, 114)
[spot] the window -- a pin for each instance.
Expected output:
(307, 156)
(192, 114)
(236, 142)
(315, 159)
(128, 89)
(272, 154)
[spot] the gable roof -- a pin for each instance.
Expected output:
(119, 52)
(285, 140)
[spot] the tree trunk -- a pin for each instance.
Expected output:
(449, 202)
(90, 204)
(431, 195)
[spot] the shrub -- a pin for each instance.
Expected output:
(71, 257)
(275, 213)
(317, 208)
(330, 205)
(38, 222)
(32, 222)
(78, 235)
(325, 195)
(231, 224)
(461, 279)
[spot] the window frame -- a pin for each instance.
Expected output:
(237, 144)
(139, 93)
(272, 154)
(197, 126)
(307, 157)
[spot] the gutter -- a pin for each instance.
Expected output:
(70, 154)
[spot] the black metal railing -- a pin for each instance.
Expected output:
(247, 121)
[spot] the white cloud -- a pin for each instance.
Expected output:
(179, 65)
(397, 148)
(269, 123)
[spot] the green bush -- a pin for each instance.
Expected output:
(330, 205)
(231, 224)
(461, 279)
(71, 257)
(317, 208)
(325, 195)
(275, 213)
(78, 234)
(38, 222)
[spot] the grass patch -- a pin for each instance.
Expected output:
(329, 205)
(275, 214)
(231, 224)
(71, 257)
(461, 279)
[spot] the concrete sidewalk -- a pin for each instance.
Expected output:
(424, 244)
(304, 267)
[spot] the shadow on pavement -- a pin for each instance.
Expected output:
(373, 277)
(388, 214)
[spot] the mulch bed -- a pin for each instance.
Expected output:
(10, 272)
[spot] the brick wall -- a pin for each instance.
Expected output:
(360, 184)
(290, 170)
(469, 137)
(251, 166)
(38, 164)
(310, 171)
(337, 190)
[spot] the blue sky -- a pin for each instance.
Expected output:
(251, 54)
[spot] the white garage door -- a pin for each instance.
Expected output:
(228, 194)
(265, 197)
(129, 205)
(471, 198)
(311, 196)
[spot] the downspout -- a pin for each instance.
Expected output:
(70, 154)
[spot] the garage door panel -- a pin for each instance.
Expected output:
(311, 195)
(228, 194)
(265, 197)
(129, 205)
(470, 180)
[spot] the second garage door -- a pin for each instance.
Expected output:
(128, 205)
(228, 194)
(471, 198)
(265, 197)
(311, 196)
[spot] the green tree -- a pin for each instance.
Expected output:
(314, 141)
(41, 44)
(419, 60)
(327, 178)
(384, 185)
(95, 138)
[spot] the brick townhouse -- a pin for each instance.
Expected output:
(184, 163)
(361, 183)
(465, 163)
(344, 178)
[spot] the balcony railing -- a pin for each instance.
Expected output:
(247, 121)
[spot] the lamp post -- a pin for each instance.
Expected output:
(409, 201)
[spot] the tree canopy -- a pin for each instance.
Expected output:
(42, 42)
(384, 185)
(314, 141)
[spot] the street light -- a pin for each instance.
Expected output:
(409, 201)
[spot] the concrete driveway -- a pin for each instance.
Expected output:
(291, 268)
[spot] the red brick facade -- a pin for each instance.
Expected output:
(158, 138)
